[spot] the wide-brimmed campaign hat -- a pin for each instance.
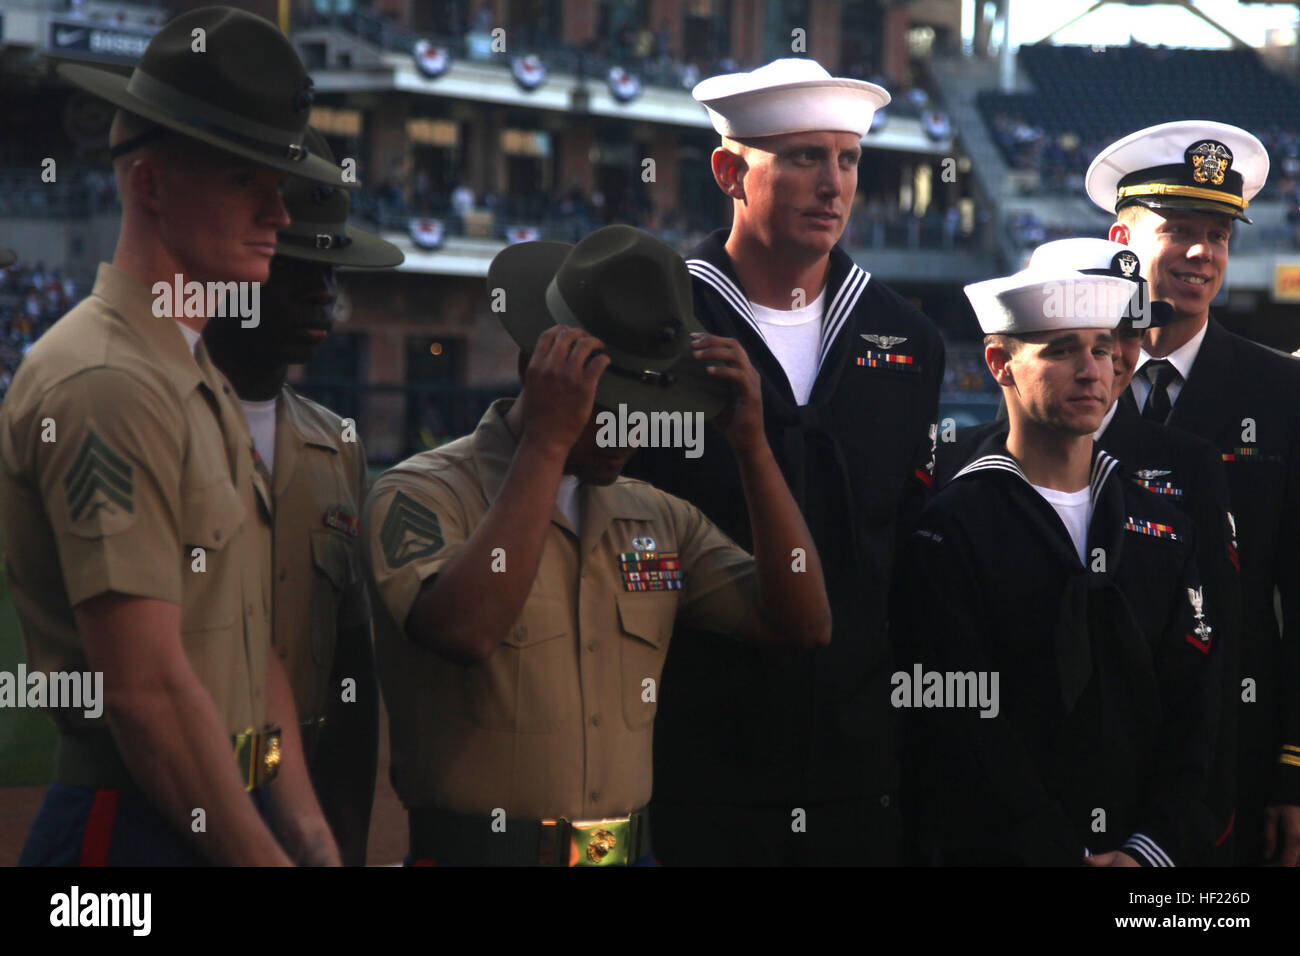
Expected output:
(1198, 165)
(630, 290)
(320, 232)
(1093, 256)
(242, 89)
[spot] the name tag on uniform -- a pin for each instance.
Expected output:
(893, 360)
(650, 570)
(1152, 528)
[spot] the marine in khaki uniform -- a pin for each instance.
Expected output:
(526, 592)
(317, 469)
(134, 526)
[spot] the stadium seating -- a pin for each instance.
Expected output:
(1086, 97)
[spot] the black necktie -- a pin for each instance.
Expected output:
(1161, 373)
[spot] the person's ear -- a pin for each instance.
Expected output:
(998, 359)
(729, 172)
(1119, 232)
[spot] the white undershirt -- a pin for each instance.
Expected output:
(1075, 509)
(566, 499)
(191, 337)
(261, 422)
(794, 337)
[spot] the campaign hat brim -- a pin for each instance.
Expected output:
(112, 86)
(365, 250)
(524, 273)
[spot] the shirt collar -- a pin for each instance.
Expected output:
(1105, 422)
(1183, 357)
(132, 302)
(191, 337)
(494, 449)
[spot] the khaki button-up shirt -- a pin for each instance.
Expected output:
(559, 720)
(126, 466)
(320, 485)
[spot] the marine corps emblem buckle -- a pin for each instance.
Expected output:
(602, 841)
(1210, 161)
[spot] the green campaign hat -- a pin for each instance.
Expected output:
(319, 231)
(226, 78)
(630, 290)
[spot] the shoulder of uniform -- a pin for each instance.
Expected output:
(84, 339)
(434, 462)
(1264, 358)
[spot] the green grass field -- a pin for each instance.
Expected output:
(27, 737)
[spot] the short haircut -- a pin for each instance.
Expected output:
(1012, 343)
(1130, 215)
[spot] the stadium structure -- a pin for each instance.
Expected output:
(476, 123)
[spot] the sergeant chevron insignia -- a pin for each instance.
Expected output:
(410, 531)
(99, 486)
(884, 341)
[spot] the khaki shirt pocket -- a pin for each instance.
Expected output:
(211, 517)
(524, 686)
(645, 624)
(330, 578)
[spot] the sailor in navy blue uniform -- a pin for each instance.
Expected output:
(1176, 190)
(1181, 468)
(769, 758)
(1043, 572)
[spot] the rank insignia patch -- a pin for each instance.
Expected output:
(99, 483)
(894, 360)
(342, 518)
(1153, 528)
(410, 531)
(1124, 264)
(650, 570)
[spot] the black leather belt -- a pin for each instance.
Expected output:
(456, 839)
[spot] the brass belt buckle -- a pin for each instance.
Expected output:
(600, 842)
(258, 756)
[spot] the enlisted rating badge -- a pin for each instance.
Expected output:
(1153, 528)
(410, 531)
(650, 570)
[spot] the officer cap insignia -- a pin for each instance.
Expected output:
(410, 531)
(885, 341)
(1148, 473)
(99, 483)
(1125, 264)
(1209, 160)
